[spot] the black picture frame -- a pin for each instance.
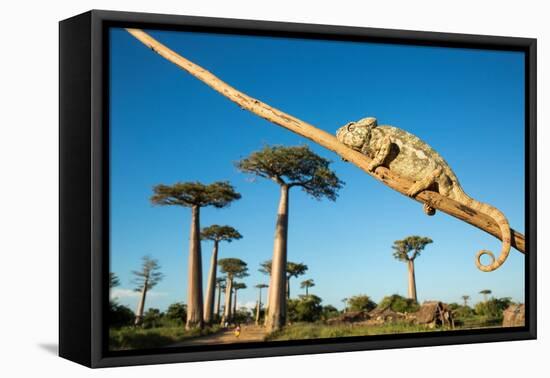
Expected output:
(84, 187)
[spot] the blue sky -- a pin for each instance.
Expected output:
(166, 127)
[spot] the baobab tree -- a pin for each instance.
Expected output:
(220, 283)
(292, 270)
(345, 301)
(306, 285)
(236, 287)
(485, 293)
(114, 281)
(407, 250)
(145, 279)
(288, 167)
(195, 195)
(465, 298)
(233, 268)
(259, 302)
(216, 234)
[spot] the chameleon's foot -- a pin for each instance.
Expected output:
(412, 192)
(372, 167)
(428, 210)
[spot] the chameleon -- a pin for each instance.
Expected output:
(411, 158)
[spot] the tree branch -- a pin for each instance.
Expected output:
(328, 141)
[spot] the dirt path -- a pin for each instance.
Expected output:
(249, 333)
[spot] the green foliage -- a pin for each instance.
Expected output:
(242, 315)
(461, 312)
(328, 312)
(188, 194)
(294, 166)
(120, 315)
(145, 338)
(307, 284)
(360, 303)
(239, 285)
(398, 303)
(220, 233)
(177, 312)
(292, 269)
(113, 280)
(493, 308)
(152, 318)
(149, 273)
(415, 244)
(304, 331)
(307, 308)
(233, 267)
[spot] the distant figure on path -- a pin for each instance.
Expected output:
(237, 330)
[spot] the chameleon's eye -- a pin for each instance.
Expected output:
(351, 127)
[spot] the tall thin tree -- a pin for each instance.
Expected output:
(220, 283)
(288, 167)
(216, 234)
(145, 279)
(233, 268)
(292, 270)
(259, 302)
(307, 284)
(195, 195)
(485, 293)
(236, 287)
(465, 298)
(407, 250)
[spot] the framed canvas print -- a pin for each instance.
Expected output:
(234, 188)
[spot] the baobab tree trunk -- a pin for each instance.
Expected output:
(194, 289)
(288, 288)
(412, 281)
(258, 306)
(141, 304)
(211, 286)
(277, 296)
(227, 308)
(234, 302)
(218, 301)
(306, 292)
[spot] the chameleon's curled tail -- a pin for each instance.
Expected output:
(502, 222)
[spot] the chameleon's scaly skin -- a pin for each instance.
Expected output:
(411, 158)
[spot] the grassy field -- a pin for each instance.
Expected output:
(126, 338)
(141, 338)
(301, 331)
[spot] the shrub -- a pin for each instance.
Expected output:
(177, 312)
(463, 311)
(493, 308)
(398, 303)
(307, 308)
(152, 318)
(329, 311)
(120, 315)
(361, 303)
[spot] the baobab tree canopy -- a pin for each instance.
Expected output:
(188, 194)
(220, 233)
(307, 283)
(292, 269)
(294, 166)
(149, 274)
(414, 244)
(233, 267)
